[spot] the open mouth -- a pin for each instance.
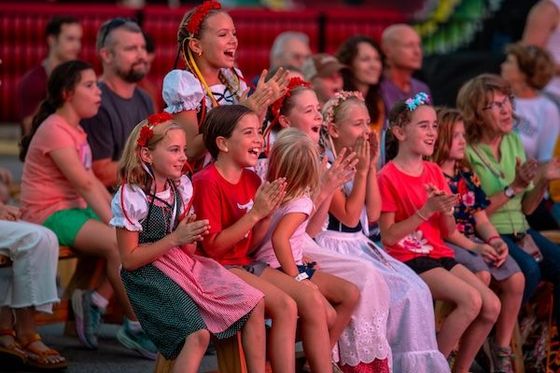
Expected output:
(255, 151)
(429, 142)
(230, 53)
(316, 129)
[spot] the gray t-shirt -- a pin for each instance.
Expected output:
(108, 130)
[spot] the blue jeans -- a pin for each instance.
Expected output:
(548, 269)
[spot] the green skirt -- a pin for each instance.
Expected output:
(166, 312)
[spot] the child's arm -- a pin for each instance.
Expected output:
(486, 251)
(281, 241)
(341, 171)
(268, 197)
(134, 256)
(348, 210)
(84, 181)
(373, 196)
(392, 232)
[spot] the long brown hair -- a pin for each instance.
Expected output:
(447, 120)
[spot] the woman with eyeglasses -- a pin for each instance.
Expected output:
(514, 184)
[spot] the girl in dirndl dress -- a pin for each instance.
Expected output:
(179, 297)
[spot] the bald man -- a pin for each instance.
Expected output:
(402, 47)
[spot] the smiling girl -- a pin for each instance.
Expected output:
(416, 215)
(208, 44)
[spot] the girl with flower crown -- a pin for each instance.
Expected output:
(60, 191)
(410, 327)
(416, 216)
(208, 44)
(180, 298)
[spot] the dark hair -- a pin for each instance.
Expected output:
(63, 78)
(221, 121)
(150, 43)
(54, 26)
(346, 54)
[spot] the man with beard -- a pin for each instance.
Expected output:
(122, 49)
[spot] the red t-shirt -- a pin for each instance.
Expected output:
(223, 203)
(404, 194)
(31, 90)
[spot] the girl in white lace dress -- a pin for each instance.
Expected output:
(410, 326)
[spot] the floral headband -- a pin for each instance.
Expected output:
(147, 130)
(200, 13)
(336, 101)
(294, 82)
(420, 98)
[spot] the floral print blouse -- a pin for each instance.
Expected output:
(472, 199)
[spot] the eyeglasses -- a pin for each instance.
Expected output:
(499, 105)
(109, 26)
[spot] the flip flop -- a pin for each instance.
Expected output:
(40, 358)
(12, 356)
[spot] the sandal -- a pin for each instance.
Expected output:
(12, 355)
(41, 359)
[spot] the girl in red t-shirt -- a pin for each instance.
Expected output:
(229, 196)
(416, 215)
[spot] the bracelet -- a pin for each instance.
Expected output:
(302, 276)
(490, 239)
(421, 216)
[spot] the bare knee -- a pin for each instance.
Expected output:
(311, 302)
(491, 307)
(198, 339)
(484, 276)
(470, 304)
(515, 285)
(331, 316)
(282, 308)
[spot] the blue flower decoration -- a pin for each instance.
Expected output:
(421, 98)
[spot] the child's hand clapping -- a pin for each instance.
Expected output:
(189, 230)
(341, 171)
(439, 201)
(362, 150)
(268, 197)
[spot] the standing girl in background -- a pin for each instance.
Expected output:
(283, 245)
(208, 44)
(416, 215)
(410, 326)
(487, 257)
(226, 195)
(180, 298)
(60, 191)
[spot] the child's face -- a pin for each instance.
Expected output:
(245, 143)
(354, 125)
(419, 136)
(86, 96)
(218, 41)
(169, 156)
(458, 142)
(306, 115)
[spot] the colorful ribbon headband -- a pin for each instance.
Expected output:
(420, 98)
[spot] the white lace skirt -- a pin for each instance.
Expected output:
(365, 337)
(410, 325)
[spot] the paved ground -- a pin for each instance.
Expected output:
(110, 357)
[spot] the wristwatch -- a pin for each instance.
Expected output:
(509, 192)
(302, 276)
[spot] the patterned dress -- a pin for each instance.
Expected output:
(179, 293)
